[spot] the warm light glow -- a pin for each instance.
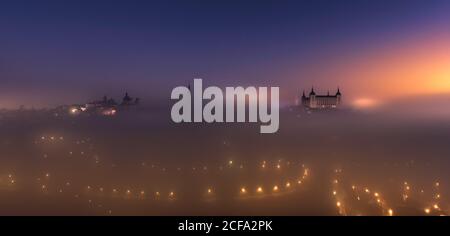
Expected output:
(427, 210)
(390, 212)
(259, 190)
(73, 110)
(364, 103)
(275, 188)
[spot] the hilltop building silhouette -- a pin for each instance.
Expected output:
(315, 101)
(105, 106)
(129, 101)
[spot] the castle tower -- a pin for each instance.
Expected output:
(338, 96)
(303, 99)
(312, 98)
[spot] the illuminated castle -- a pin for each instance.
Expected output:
(321, 101)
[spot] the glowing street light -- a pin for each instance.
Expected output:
(259, 190)
(390, 212)
(73, 111)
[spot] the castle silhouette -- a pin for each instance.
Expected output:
(328, 101)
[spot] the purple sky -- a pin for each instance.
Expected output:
(55, 52)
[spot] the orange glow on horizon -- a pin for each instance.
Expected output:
(385, 72)
(417, 68)
(365, 103)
